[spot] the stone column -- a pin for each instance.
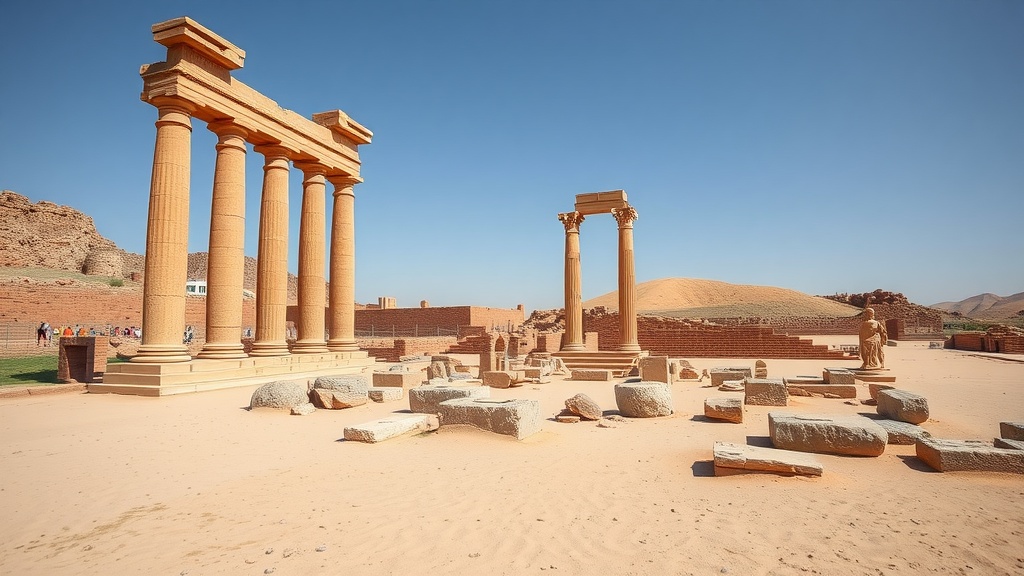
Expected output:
(627, 280)
(272, 256)
(573, 337)
(225, 268)
(163, 299)
(343, 266)
(312, 244)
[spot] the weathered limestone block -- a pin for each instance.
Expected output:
(592, 375)
(874, 388)
(537, 374)
(584, 406)
(403, 379)
(387, 428)
(655, 369)
(567, 419)
(728, 409)
(830, 390)
(731, 386)
(426, 399)
(281, 394)
(840, 376)
(765, 392)
(903, 406)
(504, 378)
(827, 434)
(760, 369)
(643, 399)
(1008, 443)
(303, 409)
(685, 371)
(460, 377)
(902, 432)
(802, 380)
(518, 418)
(721, 374)
(344, 382)
(976, 455)
(437, 369)
(738, 459)
(339, 392)
(384, 393)
(1011, 430)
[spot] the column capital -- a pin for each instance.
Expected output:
(272, 151)
(343, 183)
(571, 221)
(173, 110)
(625, 216)
(227, 127)
(311, 168)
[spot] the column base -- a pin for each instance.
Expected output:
(309, 347)
(629, 347)
(574, 347)
(161, 353)
(222, 351)
(342, 345)
(269, 349)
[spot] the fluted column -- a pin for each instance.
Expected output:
(573, 337)
(312, 244)
(343, 266)
(627, 280)
(163, 300)
(272, 256)
(225, 267)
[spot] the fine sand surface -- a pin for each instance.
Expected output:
(196, 484)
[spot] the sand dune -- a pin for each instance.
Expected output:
(986, 306)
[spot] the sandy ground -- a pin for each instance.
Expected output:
(98, 484)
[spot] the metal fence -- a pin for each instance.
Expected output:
(414, 332)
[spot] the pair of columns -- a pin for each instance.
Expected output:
(573, 338)
(163, 306)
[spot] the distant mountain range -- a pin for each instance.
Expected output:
(986, 306)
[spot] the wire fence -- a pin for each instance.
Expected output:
(404, 332)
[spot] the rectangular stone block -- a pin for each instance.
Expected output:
(1011, 430)
(827, 434)
(595, 375)
(800, 380)
(721, 374)
(404, 380)
(765, 392)
(729, 409)
(1010, 444)
(655, 369)
(874, 388)
(837, 376)
(902, 432)
(863, 378)
(384, 393)
(427, 399)
(518, 418)
(971, 455)
(831, 390)
(902, 405)
(386, 428)
(736, 458)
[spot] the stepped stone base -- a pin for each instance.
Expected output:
(738, 459)
(200, 375)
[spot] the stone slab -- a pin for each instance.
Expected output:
(387, 428)
(1010, 444)
(837, 376)
(403, 380)
(879, 378)
(969, 455)
(655, 369)
(384, 393)
(902, 405)
(836, 390)
(518, 418)
(721, 374)
(827, 434)
(592, 375)
(1011, 430)
(567, 419)
(903, 433)
(736, 458)
(427, 399)
(799, 380)
(729, 409)
(765, 392)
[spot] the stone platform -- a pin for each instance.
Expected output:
(200, 375)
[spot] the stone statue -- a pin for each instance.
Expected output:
(872, 342)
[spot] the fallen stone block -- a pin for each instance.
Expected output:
(403, 380)
(841, 376)
(874, 388)
(655, 369)
(827, 434)
(336, 399)
(801, 380)
(738, 459)
(427, 399)
(827, 390)
(567, 419)
(731, 386)
(903, 433)
(1011, 430)
(1008, 443)
(877, 377)
(973, 455)
(387, 428)
(721, 374)
(303, 409)
(384, 393)
(582, 405)
(643, 399)
(504, 378)
(902, 405)
(518, 418)
(765, 392)
(728, 409)
(760, 369)
(592, 375)
(460, 377)
(281, 394)
(536, 374)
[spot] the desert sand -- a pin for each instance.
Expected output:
(197, 484)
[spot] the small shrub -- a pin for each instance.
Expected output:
(116, 282)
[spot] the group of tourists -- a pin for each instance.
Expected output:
(45, 333)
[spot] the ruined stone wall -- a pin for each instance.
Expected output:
(447, 317)
(918, 321)
(392, 349)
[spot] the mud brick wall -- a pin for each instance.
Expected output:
(968, 341)
(917, 321)
(448, 317)
(1011, 344)
(686, 339)
(392, 349)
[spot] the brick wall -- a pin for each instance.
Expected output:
(392, 349)
(968, 341)
(918, 322)
(448, 317)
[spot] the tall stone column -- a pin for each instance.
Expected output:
(163, 299)
(627, 280)
(272, 256)
(343, 266)
(312, 244)
(573, 337)
(225, 268)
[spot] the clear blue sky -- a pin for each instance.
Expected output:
(820, 146)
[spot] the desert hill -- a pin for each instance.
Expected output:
(696, 298)
(986, 306)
